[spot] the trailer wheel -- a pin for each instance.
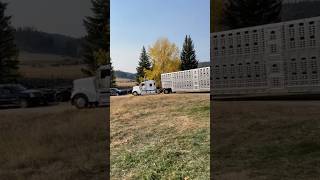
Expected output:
(135, 93)
(80, 101)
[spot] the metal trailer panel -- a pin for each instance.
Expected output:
(274, 58)
(194, 80)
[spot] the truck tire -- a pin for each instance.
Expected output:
(23, 103)
(135, 93)
(80, 101)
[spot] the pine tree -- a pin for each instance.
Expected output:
(246, 13)
(8, 50)
(98, 36)
(144, 64)
(188, 55)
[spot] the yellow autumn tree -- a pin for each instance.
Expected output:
(164, 57)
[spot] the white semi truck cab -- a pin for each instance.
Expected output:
(145, 88)
(92, 90)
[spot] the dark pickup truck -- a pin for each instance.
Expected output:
(118, 92)
(18, 95)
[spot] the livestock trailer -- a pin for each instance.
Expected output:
(194, 80)
(280, 58)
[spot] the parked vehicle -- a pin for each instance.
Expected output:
(18, 95)
(117, 92)
(63, 94)
(144, 88)
(93, 90)
(49, 94)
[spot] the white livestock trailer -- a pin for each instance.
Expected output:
(194, 80)
(280, 58)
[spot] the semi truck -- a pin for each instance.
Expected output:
(193, 80)
(92, 91)
(147, 87)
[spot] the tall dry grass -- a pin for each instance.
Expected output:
(58, 142)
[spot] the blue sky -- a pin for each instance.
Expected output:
(135, 23)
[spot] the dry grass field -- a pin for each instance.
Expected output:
(125, 83)
(52, 72)
(160, 137)
(47, 66)
(266, 140)
(55, 142)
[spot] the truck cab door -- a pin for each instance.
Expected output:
(143, 88)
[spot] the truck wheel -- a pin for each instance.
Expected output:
(80, 102)
(135, 93)
(24, 103)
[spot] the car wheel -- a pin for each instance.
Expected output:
(135, 93)
(166, 91)
(24, 103)
(81, 102)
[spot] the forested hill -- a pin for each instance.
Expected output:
(34, 41)
(302, 9)
(125, 75)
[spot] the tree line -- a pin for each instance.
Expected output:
(95, 46)
(31, 40)
(232, 14)
(164, 57)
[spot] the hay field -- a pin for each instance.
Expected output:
(125, 83)
(160, 137)
(52, 72)
(48, 66)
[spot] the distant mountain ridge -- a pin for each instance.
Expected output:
(203, 64)
(125, 75)
(33, 41)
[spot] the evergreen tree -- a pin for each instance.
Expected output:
(98, 36)
(144, 64)
(8, 50)
(188, 55)
(246, 13)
